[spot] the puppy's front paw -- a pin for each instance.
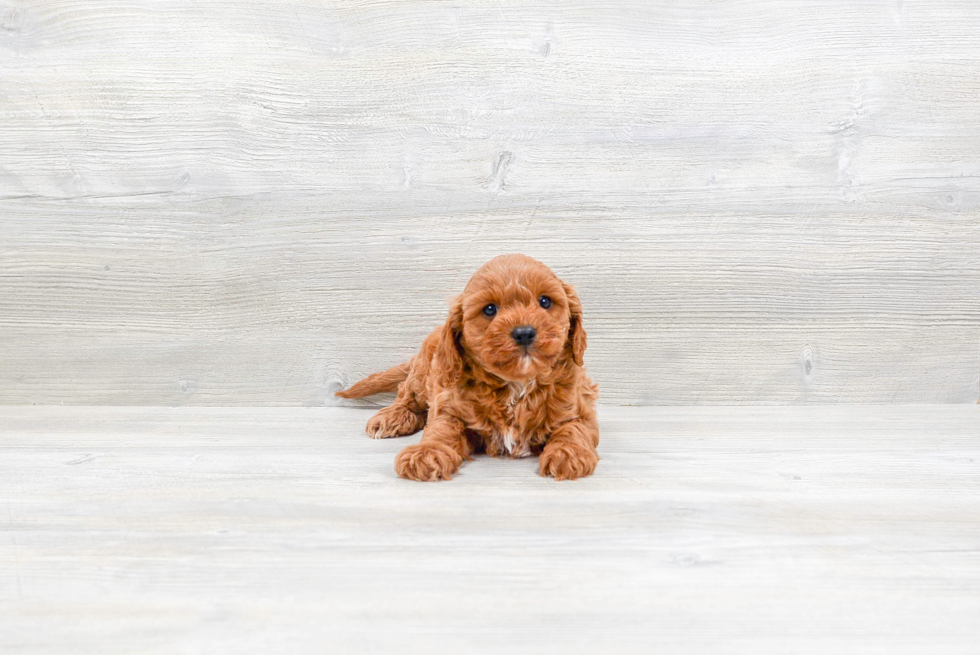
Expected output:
(565, 461)
(394, 421)
(427, 462)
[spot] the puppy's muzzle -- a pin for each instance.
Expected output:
(523, 335)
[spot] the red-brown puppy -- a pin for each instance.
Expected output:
(504, 376)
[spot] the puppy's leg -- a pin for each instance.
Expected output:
(407, 415)
(397, 420)
(571, 450)
(438, 455)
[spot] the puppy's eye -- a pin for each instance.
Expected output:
(544, 301)
(490, 310)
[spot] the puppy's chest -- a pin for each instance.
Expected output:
(514, 428)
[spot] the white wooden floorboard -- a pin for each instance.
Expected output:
(846, 529)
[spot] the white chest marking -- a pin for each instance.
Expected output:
(518, 391)
(509, 440)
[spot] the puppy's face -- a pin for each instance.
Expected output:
(517, 317)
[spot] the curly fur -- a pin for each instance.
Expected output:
(475, 389)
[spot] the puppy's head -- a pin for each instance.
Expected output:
(516, 319)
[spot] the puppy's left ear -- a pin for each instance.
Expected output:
(577, 339)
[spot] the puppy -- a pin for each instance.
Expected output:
(503, 376)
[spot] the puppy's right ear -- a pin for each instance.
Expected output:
(449, 351)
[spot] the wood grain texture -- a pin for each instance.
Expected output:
(258, 202)
(840, 529)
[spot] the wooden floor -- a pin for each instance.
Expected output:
(835, 529)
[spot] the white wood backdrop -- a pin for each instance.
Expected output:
(254, 202)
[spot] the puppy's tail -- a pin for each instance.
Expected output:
(377, 383)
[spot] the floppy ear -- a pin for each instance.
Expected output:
(576, 332)
(449, 350)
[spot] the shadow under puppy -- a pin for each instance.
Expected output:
(504, 376)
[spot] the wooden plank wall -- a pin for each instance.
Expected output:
(253, 202)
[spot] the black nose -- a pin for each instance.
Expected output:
(523, 335)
